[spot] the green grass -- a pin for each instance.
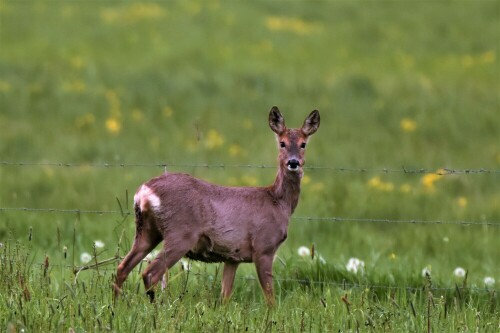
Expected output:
(400, 85)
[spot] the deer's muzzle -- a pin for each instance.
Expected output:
(293, 165)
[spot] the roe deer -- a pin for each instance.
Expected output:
(214, 223)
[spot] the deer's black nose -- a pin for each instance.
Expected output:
(293, 164)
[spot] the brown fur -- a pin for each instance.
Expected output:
(213, 223)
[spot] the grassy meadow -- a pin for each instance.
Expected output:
(96, 97)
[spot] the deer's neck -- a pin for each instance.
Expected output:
(286, 188)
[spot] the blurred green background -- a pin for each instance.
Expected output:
(399, 84)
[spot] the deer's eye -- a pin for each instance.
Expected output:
(282, 144)
(303, 145)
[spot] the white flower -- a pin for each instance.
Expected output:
(98, 244)
(152, 255)
(426, 271)
(489, 281)
(304, 251)
(164, 281)
(85, 257)
(354, 265)
(459, 272)
(185, 265)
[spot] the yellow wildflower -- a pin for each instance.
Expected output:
(249, 180)
(132, 13)
(167, 112)
(429, 179)
(408, 125)
(77, 62)
(306, 179)
(235, 150)
(113, 125)
(393, 256)
(405, 188)
(290, 24)
(213, 140)
(380, 185)
(462, 202)
(374, 182)
(488, 57)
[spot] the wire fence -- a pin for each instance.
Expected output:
(332, 219)
(345, 285)
(402, 170)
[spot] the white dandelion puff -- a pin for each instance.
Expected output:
(354, 265)
(426, 271)
(489, 281)
(304, 251)
(185, 265)
(85, 257)
(98, 244)
(459, 272)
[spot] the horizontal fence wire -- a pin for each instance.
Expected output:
(305, 282)
(298, 218)
(402, 170)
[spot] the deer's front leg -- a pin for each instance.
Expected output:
(264, 265)
(228, 280)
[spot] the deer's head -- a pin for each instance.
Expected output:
(292, 142)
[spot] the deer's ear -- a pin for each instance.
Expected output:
(311, 124)
(276, 121)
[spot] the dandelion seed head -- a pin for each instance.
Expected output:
(85, 257)
(459, 272)
(304, 251)
(489, 281)
(354, 265)
(99, 244)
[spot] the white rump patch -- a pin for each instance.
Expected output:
(146, 196)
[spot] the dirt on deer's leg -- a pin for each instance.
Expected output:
(264, 265)
(143, 244)
(228, 275)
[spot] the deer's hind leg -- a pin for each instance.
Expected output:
(175, 247)
(146, 239)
